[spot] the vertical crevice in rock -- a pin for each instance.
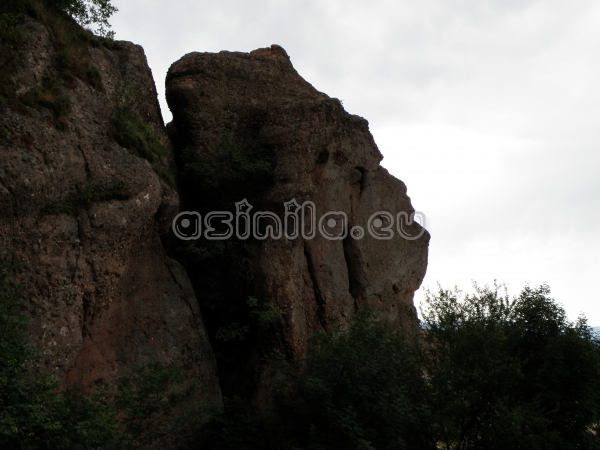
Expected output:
(88, 172)
(358, 178)
(188, 295)
(357, 279)
(8, 189)
(320, 298)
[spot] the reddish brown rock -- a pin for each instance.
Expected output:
(324, 155)
(99, 289)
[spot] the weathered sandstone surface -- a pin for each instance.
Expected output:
(98, 287)
(323, 155)
(85, 216)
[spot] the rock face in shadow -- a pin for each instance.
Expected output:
(86, 215)
(323, 155)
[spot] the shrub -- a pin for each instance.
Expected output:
(169, 179)
(137, 136)
(33, 414)
(259, 318)
(88, 12)
(155, 404)
(510, 374)
(84, 12)
(360, 387)
(238, 427)
(236, 169)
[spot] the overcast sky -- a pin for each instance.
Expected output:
(487, 110)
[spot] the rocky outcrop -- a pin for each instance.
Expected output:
(84, 215)
(323, 155)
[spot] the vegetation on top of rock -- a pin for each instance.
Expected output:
(88, 12)
(169, 179)
(139, 137)
(84, 12)
(72, 60)
(128, 128)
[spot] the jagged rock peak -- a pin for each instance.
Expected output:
(274, 50)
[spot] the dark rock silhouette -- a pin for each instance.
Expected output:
(85, 215)
(323, 155)
(98, 287)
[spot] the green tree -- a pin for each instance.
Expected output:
(238, 426)
(510, 373)
(155, 405)
(359, 388)
(88, 13)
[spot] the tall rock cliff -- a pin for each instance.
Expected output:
(83, 214)
(231, 103)
(87, 204)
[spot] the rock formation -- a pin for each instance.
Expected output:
(87, 203)
(323, 155)
(83, 215)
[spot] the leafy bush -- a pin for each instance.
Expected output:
(237, 427)
(487, 373)
(169, 179)
(88, 12)
(84, 12)
(139, 137)
(510, 374)
(360, 388)
(155, 404)
(262, 318)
